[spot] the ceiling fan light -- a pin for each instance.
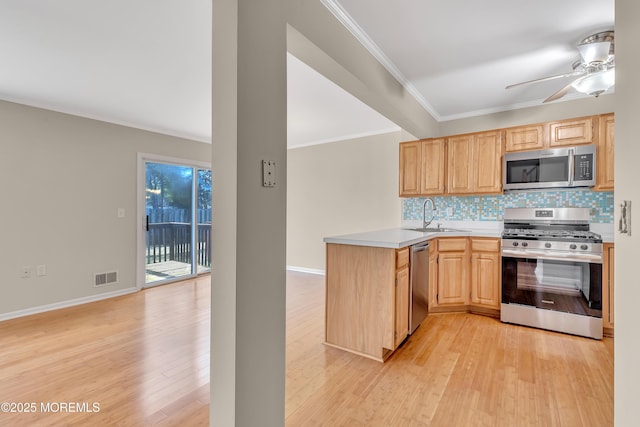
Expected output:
(596, 83)
(594, 52)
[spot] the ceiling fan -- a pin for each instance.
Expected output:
(594, 70)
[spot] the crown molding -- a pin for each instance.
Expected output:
(345, 19)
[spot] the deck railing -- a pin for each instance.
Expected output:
(171, 241)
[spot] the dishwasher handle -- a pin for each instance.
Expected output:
(419, 247)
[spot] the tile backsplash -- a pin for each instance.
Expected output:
(491, 207)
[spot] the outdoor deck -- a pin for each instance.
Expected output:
(170, 269)
(168, 250)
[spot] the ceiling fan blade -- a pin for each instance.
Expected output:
(544, 79)
(594, 52)
(559, 94)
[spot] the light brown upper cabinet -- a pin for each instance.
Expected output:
(572, 132)
(604, 153)
(472, 163)
(432, 171)
(488, 149)
(410, 168)
(468, 164)
(475, 163)
(422, 167)
(521, 138)
(562, 133)
(460, 164)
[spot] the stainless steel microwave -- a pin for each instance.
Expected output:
(553, 168)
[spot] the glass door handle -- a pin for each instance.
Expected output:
(146, 225)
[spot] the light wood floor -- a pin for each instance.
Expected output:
(456, 370)
(145, 359)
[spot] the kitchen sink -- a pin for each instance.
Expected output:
(438, 230)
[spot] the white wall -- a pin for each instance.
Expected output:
(627, 152)
(63, 179)
(339, 188)
(310, 19)
(248, 295)
(352, 186)
(249, 124)
(316, 37)
(538, 114)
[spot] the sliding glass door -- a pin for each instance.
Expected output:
(203, 240)
(177, 222)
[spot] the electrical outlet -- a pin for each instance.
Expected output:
(449, 212)
(41, 270)
(25, 272)
(120, 212)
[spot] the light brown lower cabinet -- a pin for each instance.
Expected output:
(607, 288)
(367, 290)
(452, 286)
(433, 274)
(486, 273)
(402, 306)
(465, 275)
(367, 299)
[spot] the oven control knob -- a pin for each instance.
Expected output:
(515, 243)
(525, 244)
(547, 245)
(584, 247)
(572, 246)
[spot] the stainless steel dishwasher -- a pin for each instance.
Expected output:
(419, 284)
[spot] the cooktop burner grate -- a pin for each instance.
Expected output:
(532, 233)
(553, 224)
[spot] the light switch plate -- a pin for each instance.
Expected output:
(268, 173)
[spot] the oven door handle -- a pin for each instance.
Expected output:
(555, 256)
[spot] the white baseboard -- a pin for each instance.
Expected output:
(305, 270)
(65, 304)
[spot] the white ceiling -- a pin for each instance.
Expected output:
(141, 63)
(457, 56)
(320, 111)
(147, 64)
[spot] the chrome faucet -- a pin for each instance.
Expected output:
(426, 223)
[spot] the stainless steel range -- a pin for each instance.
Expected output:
(552, 270)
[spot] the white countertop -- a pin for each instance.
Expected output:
(401, 237)
(390, 238)
(606, 231)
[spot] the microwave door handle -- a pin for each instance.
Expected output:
(571, 166)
